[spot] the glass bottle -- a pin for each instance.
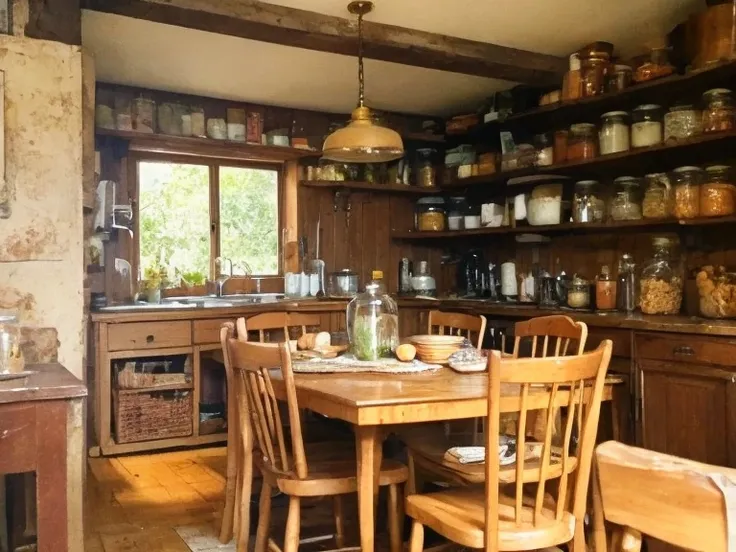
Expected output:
(605, 290)
(719, 114)
(687, 181)
(626, 202)
(657, 202)
(373, 324)
(11, 357)
(626, 288)
(588, 206)
(660, 287)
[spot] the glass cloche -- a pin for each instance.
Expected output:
(373, 323)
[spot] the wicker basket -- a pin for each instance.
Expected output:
(149, 415)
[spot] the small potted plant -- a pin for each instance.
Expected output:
(153, 280)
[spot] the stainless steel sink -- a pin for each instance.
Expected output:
(146, 306)
(200, 302)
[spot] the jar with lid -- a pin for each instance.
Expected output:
(619, 78)
(660, 287)
(544, 143)
(11, 357)
(717, 192)
(123, 117)
(605, 290)
(430, 214)
(144, 115)
(614, 133)
(716, 290)
(373, 324)
(626, 288)
(646, 129)
(425, 171)
(657, 67)
(587, 205)
(682, 121)
(719, 114)
(170, 119)
(423, 283)
(578, 294)
(559, 151)
(657, 202)
(457, 209)
(593, 72)
(582, 142)
(572, 85)
(687, 181)
(626, 202)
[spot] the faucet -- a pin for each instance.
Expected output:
(221, 264)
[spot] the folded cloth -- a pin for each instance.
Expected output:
(475, 455)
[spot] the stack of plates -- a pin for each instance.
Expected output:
(436, 349)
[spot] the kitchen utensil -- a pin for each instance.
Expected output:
(342, 284)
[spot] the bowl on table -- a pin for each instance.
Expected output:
(436, 349)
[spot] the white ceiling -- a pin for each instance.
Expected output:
(152, 55)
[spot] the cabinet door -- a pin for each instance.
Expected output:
(685, 411)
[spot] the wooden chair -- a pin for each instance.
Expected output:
(541, 337)
(280, 454)
(499, 518)
(675, 500)
(473, 327)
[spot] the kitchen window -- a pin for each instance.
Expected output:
(190, 212)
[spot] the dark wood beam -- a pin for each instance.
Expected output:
(313, 31)
(59, 20)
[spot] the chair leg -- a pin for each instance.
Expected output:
(264, 518)
(228, 512)
(411, 485)
(395, 517)
(242, 503)
(416, 541)
(291, 539)
(339, 521)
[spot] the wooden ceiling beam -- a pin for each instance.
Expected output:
(313, 31)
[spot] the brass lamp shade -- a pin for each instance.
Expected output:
(363, 141)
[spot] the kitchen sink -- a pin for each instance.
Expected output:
(199, 301)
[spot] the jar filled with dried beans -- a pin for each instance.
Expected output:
(719, 114)
(687, 181)
(582, 142)
(718, 193)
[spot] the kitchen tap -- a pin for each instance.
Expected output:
(222, 264)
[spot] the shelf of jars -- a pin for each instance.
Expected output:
(371, 187)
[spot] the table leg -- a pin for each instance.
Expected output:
(368, 441)
(52, 484)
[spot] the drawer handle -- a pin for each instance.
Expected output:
(149, 338)
(685, 351)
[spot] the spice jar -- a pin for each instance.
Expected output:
(559, 152)
(614, 134)
(682, 121)
(626, 285)
(657, 67)
(657, 202)
(619, 78)
(593, 72)
(660, 288)
(717, 193)
(572, 84)
(646, 129)
(582, 142)
(578, 295)
(425, 168)
(587, 205)
(143, 115)
(11, 357)
(605, 290)
(626, 203)
(430, 214)
(687, 181)
(719, 114)
(545, 149)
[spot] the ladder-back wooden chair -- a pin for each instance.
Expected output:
(472, 327)
(280, 454)
(674, 500)
(536, 338)
(497, 517)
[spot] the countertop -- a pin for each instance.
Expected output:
(45, 382)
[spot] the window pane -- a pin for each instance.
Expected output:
(174, 218)
(249, 219)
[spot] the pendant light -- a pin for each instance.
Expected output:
(362, 140)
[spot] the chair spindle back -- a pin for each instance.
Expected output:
(473, 327)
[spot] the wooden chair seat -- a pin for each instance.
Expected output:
(459, 515)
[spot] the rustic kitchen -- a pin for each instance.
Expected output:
(331, 254)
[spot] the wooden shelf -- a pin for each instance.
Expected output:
(370, 186)
(423, 137)
(568, 227)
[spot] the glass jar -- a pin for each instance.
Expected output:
(719, 114)
(572, 86)
(657, 201)
(560, 146)
(425, 171)
(456, 211)
(123, 117)
(430, 214)
(605, 290)
(144, 115)
(657, 67)
(646, 129)
(619, 78)
(11, 357)
(660, 288)
(587, 205)
(578, 294)
(682, 121)
(715, 288)
(686, 182)
(582, 142)
(626, 285)
(544, 143)
(717, 193)
(593, 72)
(626, 202)
(170, 119)
(199, 124)
(373, 324)
(614, 134)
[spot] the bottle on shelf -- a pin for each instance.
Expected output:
(605, 290)
(626, 285)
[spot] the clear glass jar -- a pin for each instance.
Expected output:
(605, 290)
(123, 118)
(719, 114)
(425, 171)
(593, 73)
(578, 295)
(718, 193)
(682, 121)
(144, 115)
(660, 288)
(657, 67)
(657, 201)
(199, 123)
(587, 204)
(627, 289)
(686, 182)
(614, 134)
(646, 127)
(544, 143)
(626, 202)
(11, 357)
(582, 142)
(373, 324)
(430, 214)
(560, 146)
(170, 119)
(456, 211)
(619, 78)
(715, 287)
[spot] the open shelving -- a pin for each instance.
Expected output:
(370, 187)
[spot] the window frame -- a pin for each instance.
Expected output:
(213, 164)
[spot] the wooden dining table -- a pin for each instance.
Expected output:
(373, 403)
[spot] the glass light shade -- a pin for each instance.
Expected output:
(363, 141)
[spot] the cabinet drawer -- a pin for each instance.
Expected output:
(146, 335)
(621, 340)
(208, 331)
(686, 348)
